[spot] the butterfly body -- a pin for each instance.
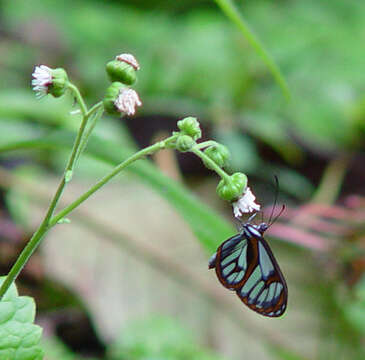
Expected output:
(245, 264)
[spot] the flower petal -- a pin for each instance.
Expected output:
(129, 59)
(42, 79)
(127, 100)
(245, 204)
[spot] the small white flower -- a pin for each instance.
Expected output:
(126, 101)
(245, 204)
(42, 79)
(129, 59)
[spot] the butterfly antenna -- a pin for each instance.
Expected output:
(277, 216)
(275, 198)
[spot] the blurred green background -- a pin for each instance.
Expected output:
(128, 278)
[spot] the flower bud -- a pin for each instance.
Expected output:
(218, 153)
(120, 99)
(49, 81)
(184, 143)
(123, 69)
(233, 189)
(190, 126)
(111, 95)
(59, 82)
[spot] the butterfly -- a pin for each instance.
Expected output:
(245, 264)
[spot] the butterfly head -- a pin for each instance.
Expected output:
(262, 227)
(254, 230)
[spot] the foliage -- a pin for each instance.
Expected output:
(19, 337)
(193, 61)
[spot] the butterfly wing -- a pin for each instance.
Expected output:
(230, 261)
(245, 264)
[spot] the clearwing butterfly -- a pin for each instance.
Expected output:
(245, 264)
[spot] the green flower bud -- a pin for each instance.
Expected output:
(121, 99)
(111, 96)
(184, 143)
(121, 71)
(190, 126)
(218, 153)
(59, 81)
(233, 189)
(49, 81)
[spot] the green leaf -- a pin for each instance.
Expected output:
(208, 226)
(233, 14)
(19, 337)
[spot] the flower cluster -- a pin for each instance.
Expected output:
(121, 99)
(232, 188)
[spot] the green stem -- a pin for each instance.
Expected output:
(23, 258)
(85, 138)
(233, 14)
(95, 108)
(47, 224)
(211, 163)
(67, 174)
(146, 151)
(44, 226)
(205, 144)
(78, 98)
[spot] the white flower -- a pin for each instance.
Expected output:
(129, 59)
(42, 79)
(245, 204)
(126, 101)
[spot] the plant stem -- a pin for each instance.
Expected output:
(48, 222)
(95, 107)
(23, 258)
(212, 164)
(78, 98)
(99, 109)
(67, 174)
(44, 226)
(205, 144)
(146, 151)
